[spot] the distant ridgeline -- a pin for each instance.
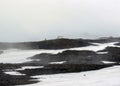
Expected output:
(56, 43)
(47, 44)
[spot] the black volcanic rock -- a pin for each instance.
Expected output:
(77, 52)
(112, 50)
(79, 57)
(71, 57)
(118, 44)
(113, 53)
(58, 44)
(105, 40)
(12, 80)
(47, 44)
(8, 80)
(63, 68)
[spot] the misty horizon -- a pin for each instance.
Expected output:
(34, 20)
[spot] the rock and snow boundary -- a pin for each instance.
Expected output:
(20, 56)
(103, 77)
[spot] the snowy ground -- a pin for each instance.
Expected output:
(104, 77)
(20, 56)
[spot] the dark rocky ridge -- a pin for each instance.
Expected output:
(47, 44)
(12, 80)
(79, 57)
(118, 44)
(70, 56)
(104, 40)
(63, 68)
(57, 43)
(113, 53)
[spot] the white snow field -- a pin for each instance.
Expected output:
(104, 77)
(20, 56)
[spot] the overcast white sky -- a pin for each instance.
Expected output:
(29, 20)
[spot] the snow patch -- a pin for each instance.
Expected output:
(61, 62)
(102, 52)
(108, 62)
(13, 73)
(30, 67)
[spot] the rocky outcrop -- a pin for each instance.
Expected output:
(47, 44)
(113, 54)
(13, 80)
(76, 57)
(57, 43)
(105, 40)
(118, 44)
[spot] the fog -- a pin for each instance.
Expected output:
(33, 20)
